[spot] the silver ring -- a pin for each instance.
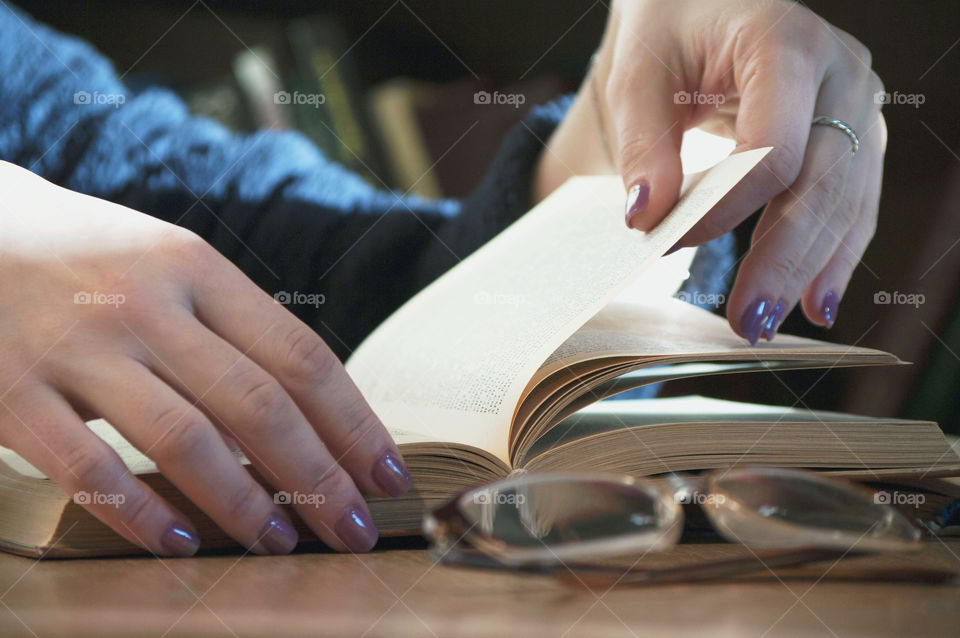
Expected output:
(840, 125)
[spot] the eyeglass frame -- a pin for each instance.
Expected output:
(456, 541)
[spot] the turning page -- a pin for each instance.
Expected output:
(452, 363)
(667, 328)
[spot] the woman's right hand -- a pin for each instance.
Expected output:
(759, 72)
(111, 313)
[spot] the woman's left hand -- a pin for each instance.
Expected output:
(757, 71)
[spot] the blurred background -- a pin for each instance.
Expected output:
(405, 92)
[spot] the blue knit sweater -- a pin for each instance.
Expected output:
(271, 202)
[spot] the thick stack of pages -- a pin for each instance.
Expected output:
(498, 364)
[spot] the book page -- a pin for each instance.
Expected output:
(451, 364)
(652, 436)
(134, 459)
(664, 328)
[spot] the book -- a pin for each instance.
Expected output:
(439, 139)
(256, 73)
(394, 107)
(219, 99)
(328, 95)
(493, 368)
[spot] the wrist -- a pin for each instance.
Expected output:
(576, 147)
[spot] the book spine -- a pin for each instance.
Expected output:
(330, 105)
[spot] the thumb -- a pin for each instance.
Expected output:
(648, 117)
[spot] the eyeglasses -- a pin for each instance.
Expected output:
(552, 521)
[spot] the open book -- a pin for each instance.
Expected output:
(494, 367)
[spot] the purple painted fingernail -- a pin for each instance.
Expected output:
(829, 307)
(278, 536)
(776, 318)
(637, 198)
(677, 246)
(356, 530)
(179, 541)
(391, 474)
(754, 318)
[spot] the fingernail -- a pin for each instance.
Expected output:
(637, 199)
(829, 307)
(179, 541)
(391, 474)
(677, 246)
(278, 536)
(754, 318)
(356, 530)
(776, 318)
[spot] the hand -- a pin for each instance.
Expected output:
(757, 71)
(108, 312)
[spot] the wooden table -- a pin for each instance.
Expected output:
(399, 591)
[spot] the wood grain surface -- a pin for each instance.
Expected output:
(400, 591)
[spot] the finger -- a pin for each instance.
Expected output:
(827, 243)
(42, 427)
(778, 91)
(256, 411)
(308, 370)
(647, 115)
(821, 298)
(800, 229)
(187, 448)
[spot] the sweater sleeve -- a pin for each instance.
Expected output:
(343, 253)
